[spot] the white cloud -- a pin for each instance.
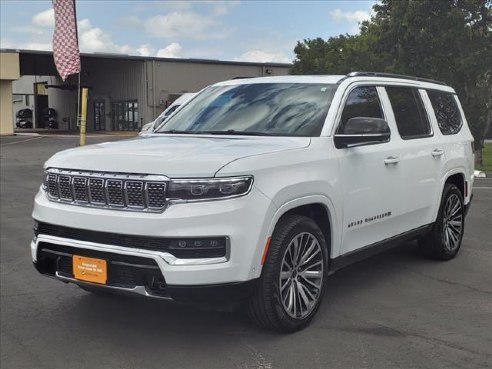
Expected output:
(38, 46)
(45, 18)
(261, 56)
(355, 16)
(29, 29)
(7, 44)
(172, 50)
(95, 39)
(145, 50)
(181, 25)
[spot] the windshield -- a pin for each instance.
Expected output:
(161, 118)
(277, 109)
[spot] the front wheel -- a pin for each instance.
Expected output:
(444, 240)
(293, 277)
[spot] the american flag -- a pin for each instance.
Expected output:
(65, 38)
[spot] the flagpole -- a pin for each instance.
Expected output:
(80, 72)
(78, 102)
(81, 105)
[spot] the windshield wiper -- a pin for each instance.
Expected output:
(177, 131)
(227, 132)
(233, 132)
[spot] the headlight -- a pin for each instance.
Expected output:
(44, 185)
(209, 189)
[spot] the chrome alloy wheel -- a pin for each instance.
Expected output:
(301, 275)
(452, 222)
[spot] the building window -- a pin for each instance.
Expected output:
(125, 116)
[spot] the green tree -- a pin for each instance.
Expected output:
(447, 40)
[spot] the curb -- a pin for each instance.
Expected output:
(29, 134)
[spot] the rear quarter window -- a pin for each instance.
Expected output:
(447, 113)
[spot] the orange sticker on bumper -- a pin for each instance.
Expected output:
(89, 269)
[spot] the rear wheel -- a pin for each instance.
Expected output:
(444, 240)
(293, 278)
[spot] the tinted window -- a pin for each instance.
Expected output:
(361, 102)
(410, 115)
(281, 109)
(447, 113)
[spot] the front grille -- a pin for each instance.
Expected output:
(80, 189)
(182, 248)
(107, 190)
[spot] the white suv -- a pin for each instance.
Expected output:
(258, 189)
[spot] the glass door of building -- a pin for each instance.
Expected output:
(99, 116)
(125, 116)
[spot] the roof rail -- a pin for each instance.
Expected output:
(392, 75)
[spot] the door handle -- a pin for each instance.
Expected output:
(391, 160)
(437, 152)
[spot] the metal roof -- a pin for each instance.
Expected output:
(151, 58)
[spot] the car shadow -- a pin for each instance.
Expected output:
(152, 319)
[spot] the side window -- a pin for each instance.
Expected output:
(411, 119)
(361, 102)
(447, 112)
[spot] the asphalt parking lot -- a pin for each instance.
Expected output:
(395, 310)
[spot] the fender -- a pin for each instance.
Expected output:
(333, 217)
(458, 170)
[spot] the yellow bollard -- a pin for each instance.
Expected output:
(83, 114)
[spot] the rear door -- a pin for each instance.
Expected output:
(420, 154)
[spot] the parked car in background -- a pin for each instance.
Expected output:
(150, 127)
(23, 118)
(49, 118)
(257, 190)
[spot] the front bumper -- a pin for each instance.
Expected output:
(244, 221)
(139, 276)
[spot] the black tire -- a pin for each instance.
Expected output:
(437, 244)
(266, 308)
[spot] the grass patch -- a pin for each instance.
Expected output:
(486, 159)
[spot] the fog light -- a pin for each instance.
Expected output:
(198, 243)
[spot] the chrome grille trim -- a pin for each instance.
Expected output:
(115, 191)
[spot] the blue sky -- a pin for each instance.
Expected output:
(262, 31)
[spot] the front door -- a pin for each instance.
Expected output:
(371, 177)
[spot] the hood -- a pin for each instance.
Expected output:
(171, 155)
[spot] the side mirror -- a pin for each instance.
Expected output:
(360, 131)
